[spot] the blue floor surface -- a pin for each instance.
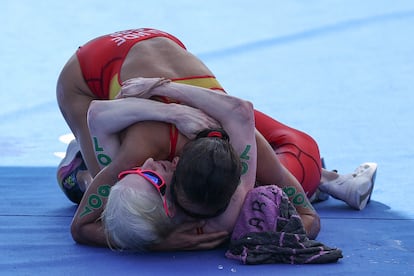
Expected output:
(339, 70)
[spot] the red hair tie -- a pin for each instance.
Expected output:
(215, 134)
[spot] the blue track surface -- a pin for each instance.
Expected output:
(339, 70)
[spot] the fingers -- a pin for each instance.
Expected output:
(141, 80)
(141, 87)
(190, 241)
(208, 241)
(120, 95)
(190, 226)
(132, 81)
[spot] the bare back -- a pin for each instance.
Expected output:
(161, 57)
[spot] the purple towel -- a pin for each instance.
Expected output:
(269, 230)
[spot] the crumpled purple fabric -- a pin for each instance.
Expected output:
(269, 230)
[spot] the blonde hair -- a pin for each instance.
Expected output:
(134, 219)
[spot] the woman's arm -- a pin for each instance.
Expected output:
(107, 118)
(86, 227)
(273, 172)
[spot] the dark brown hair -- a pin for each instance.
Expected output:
(208, 171)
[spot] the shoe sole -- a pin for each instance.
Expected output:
(363, 198)
(71, 153)
(374, 175)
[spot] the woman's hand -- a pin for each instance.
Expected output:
(185, 237)
(190, 121)
(140, 87)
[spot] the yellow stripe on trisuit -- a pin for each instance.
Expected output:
(114, 87)
(205, 82)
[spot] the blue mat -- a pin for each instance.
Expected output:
(340, 70)
(35, 239)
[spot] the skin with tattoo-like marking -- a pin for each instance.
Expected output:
(95, 200)
(297, 197)
(245, 156)
(103, 159)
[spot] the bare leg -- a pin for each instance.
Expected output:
(328, 175)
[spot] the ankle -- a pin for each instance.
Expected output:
(328, 176)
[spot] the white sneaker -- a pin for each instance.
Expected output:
(356, 188)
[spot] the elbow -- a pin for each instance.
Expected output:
(95, 110)
(315, 228)
(245, 111)
(75, 231)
